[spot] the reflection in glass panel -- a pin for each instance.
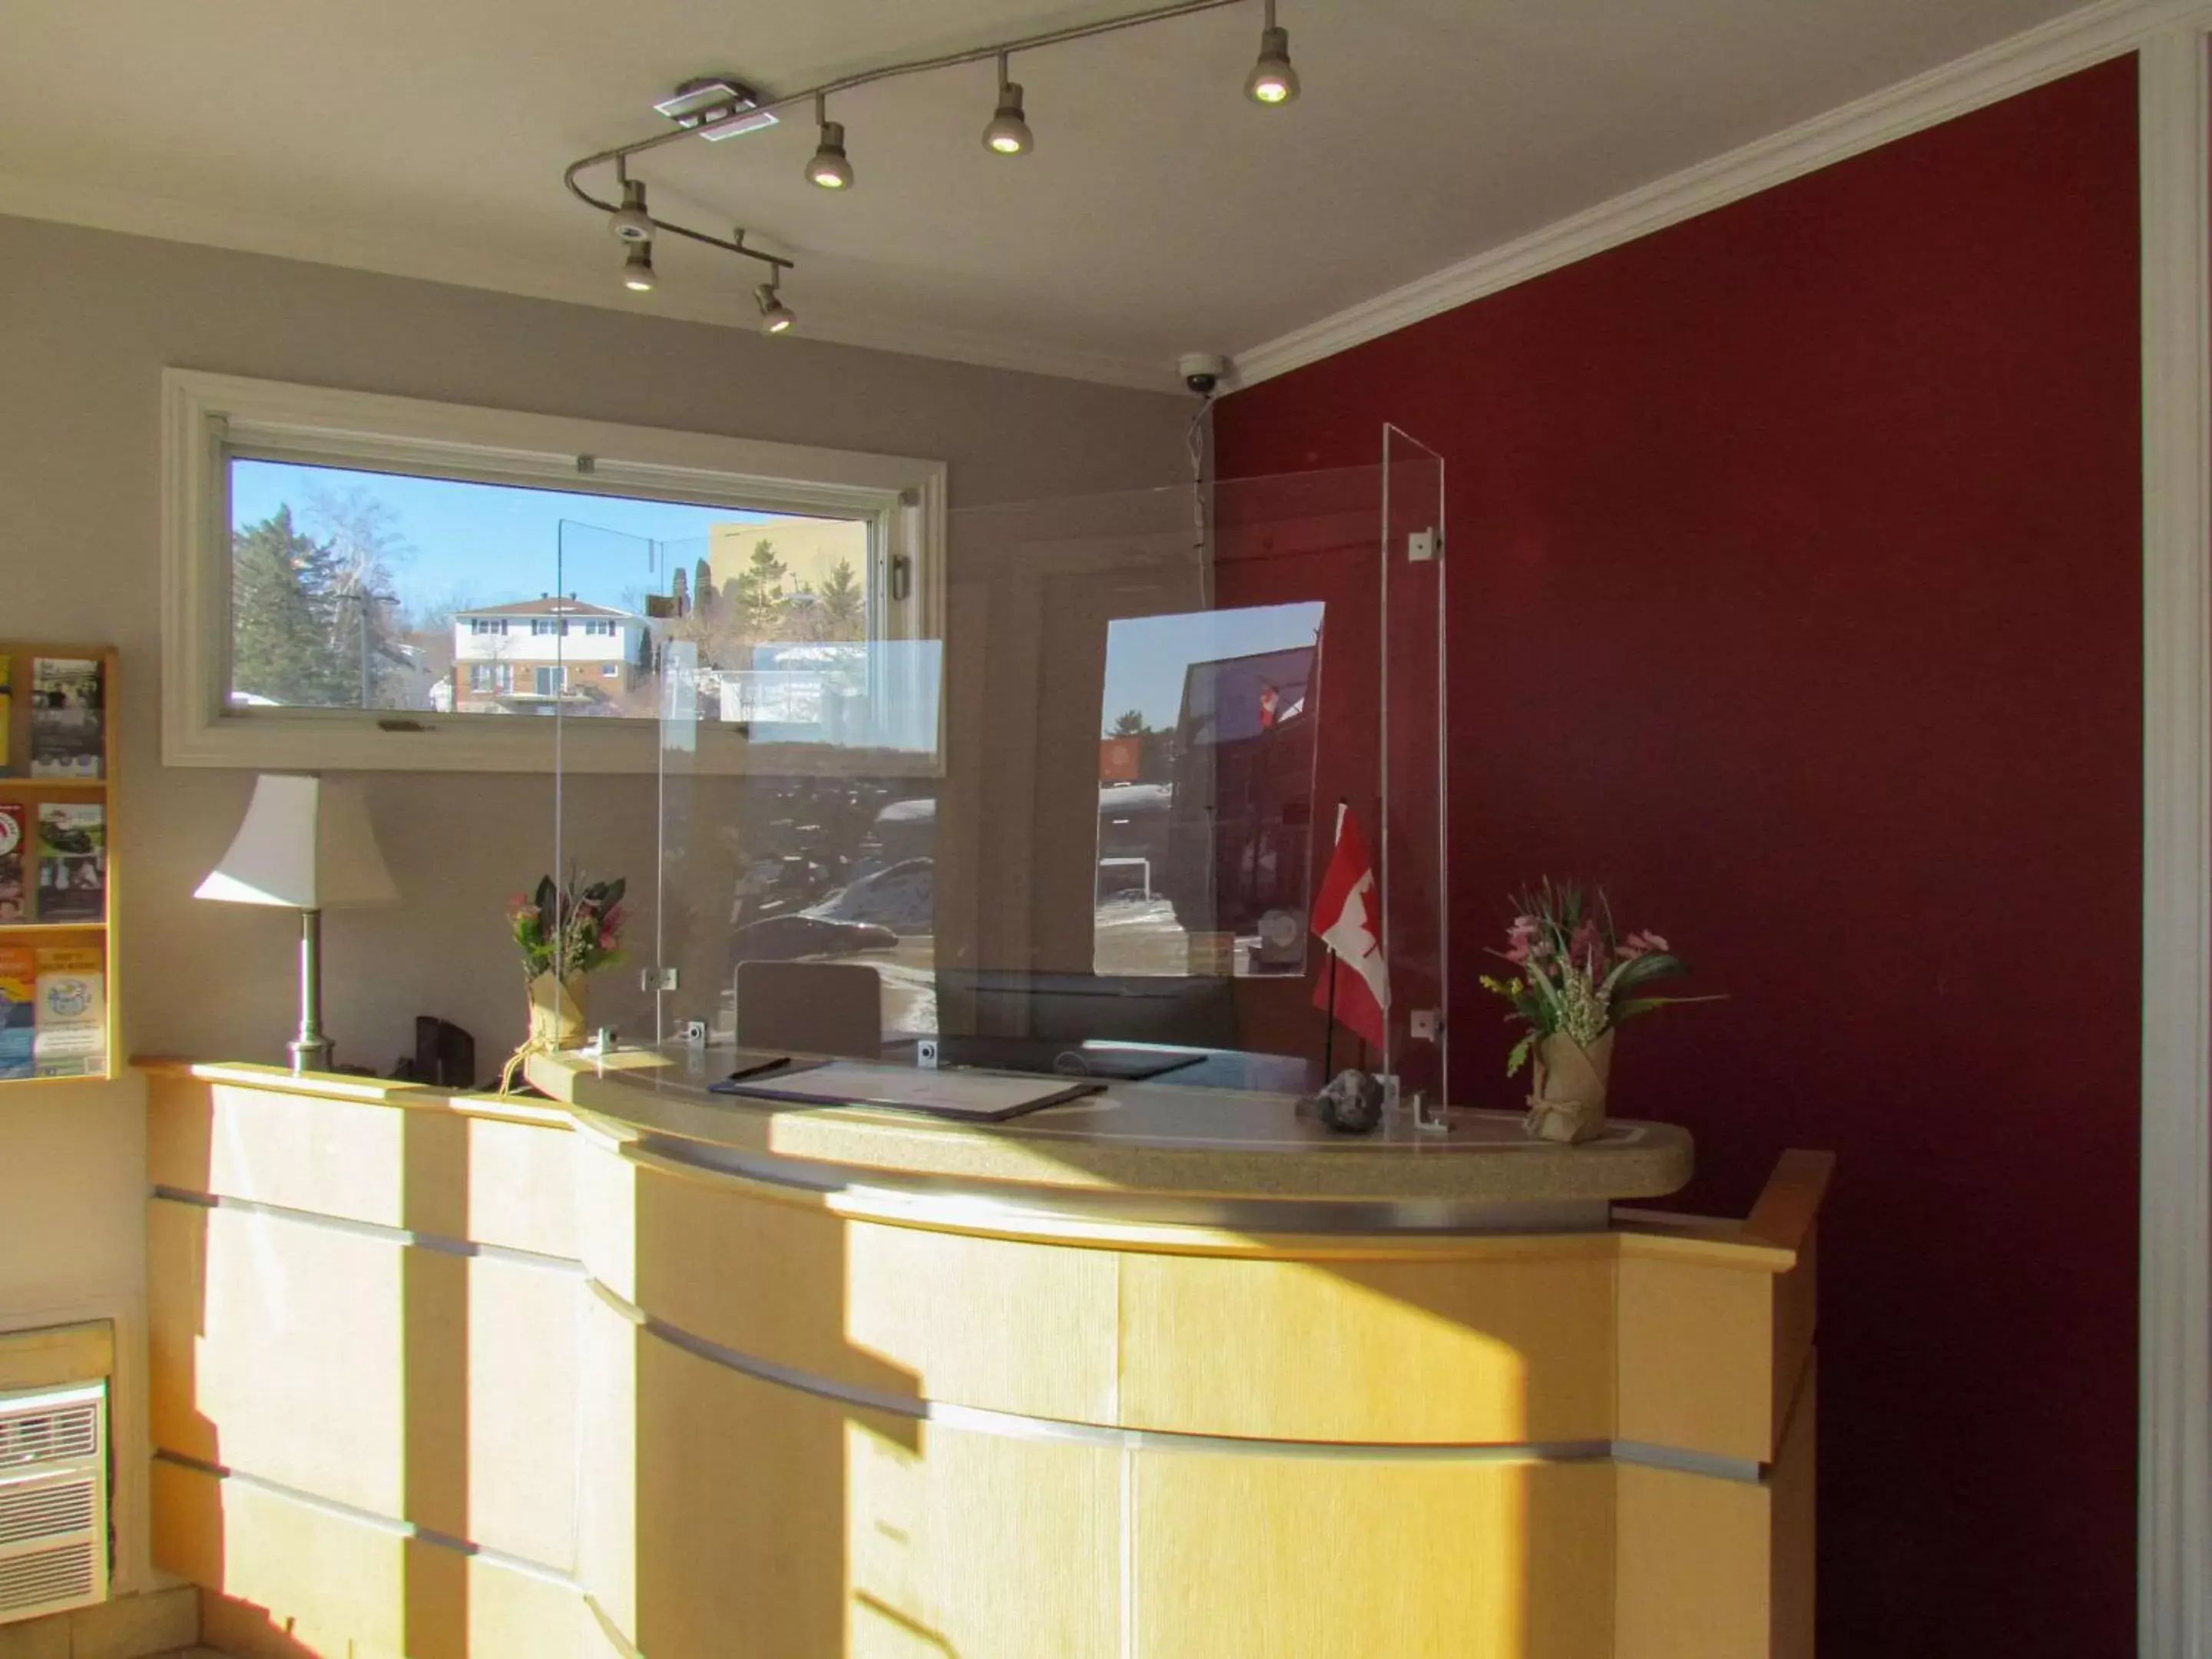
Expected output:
(1076, 834)
(1205, 794)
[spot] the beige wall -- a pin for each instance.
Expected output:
(90, 320)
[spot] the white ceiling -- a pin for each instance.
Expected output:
(1161, 212)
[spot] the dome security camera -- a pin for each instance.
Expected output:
(1202, 371)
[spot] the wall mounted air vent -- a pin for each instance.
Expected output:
(54, 1499)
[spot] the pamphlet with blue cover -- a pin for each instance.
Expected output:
(18, 1011)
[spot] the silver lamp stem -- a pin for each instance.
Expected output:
(311, 1049)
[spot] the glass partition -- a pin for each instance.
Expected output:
(1415, 873)
(1077, 830)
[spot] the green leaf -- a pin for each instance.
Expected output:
(1639, 971)
(1519, 1055)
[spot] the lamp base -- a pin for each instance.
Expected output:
(309, 1056)
(311, 1049)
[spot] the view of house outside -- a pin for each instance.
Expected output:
(367, 590)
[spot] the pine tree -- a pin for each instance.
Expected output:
(761, 586)
(844, 607)
(282, 649)
(702, 587)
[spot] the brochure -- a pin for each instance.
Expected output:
(18, 1017)
(70, 1037)
(72, 861)
(67, 718)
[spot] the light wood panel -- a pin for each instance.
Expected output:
(914, 1314)
(426, 1169)
(1697, 1357)
(800, 1525)
(1268, 1556)
(279, 1349)
(1791, 1552)
(428, 1386)
(1503, 1351)
(521, 1410)
(1695, 1556)
(289, 1581)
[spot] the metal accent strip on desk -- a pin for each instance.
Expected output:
(384, 1523)
(1013, 1425)
(443, 1243)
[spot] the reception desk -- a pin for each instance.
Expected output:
(1163, 1372)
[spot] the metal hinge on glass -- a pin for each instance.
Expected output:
(1421, 546)
(656, 979)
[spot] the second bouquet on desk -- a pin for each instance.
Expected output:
(1575, 978)
(564, 932)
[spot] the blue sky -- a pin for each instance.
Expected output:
(481, 545)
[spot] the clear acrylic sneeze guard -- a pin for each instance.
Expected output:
(1073, 826)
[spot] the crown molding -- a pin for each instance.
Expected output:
(29, 197)
(2071, 42)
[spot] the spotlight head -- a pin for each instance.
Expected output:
(1272, 80)
(1008, 133)
(829, 168)
(776, 318)
(630, 222)
(637, 268)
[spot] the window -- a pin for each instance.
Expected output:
(358, 571)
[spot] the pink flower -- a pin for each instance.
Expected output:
(1587, 945)
(1641, 945)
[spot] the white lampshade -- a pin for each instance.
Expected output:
(306, 845)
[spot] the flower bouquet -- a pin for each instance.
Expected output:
(564, 932)
(1575, 979)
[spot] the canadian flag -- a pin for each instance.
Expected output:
(1347, 915)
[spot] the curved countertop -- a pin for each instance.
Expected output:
(1176, 1147)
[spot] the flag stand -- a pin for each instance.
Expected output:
(1328, 1026)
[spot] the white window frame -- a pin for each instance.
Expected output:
(208, 420)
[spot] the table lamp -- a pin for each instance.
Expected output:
(306, 845)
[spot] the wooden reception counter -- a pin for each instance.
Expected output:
(1163, 1372)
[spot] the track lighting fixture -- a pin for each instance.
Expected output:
(630, 222)
(719, 106)
(1008, 133)
(829, 168)
(1272, 80)
(776, 318)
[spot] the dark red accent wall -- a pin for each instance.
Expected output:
(1795, 596)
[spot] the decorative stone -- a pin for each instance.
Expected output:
(1352, 1104)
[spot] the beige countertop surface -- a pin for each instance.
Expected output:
(1152, 1138)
